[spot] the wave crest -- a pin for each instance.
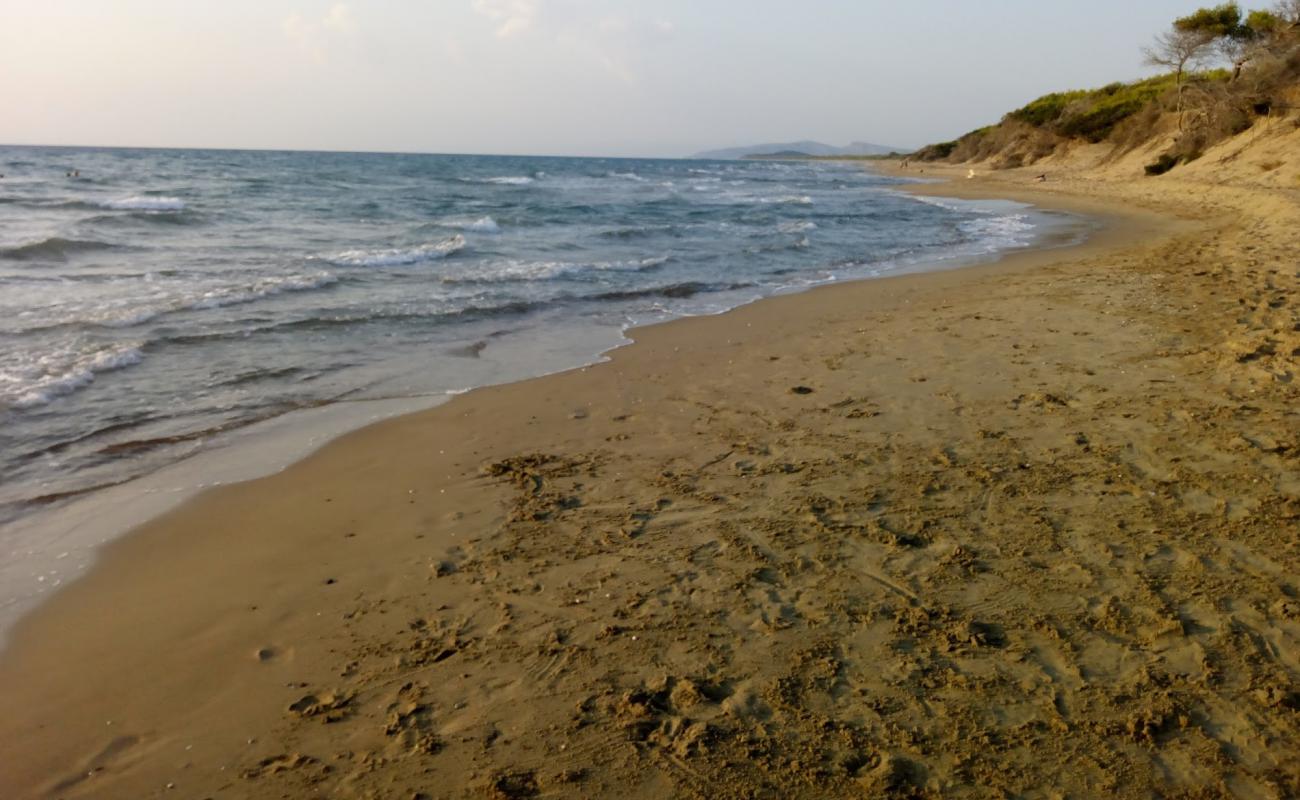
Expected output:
(39, 379)
(797, 227)
(523, 271)
(131, 311)
(265, 287)
(395, 256)
(797, 200)
(145, 203)
(481, 225)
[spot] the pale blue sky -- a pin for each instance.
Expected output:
(567, 77)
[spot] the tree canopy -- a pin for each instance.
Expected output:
(1212, 23)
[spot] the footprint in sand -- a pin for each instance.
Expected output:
(102, 760)
(270, 654)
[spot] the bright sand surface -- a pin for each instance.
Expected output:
(1020, 529)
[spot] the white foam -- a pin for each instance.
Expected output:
(798, 200)
(506, 271)
(391, 257)
(480, 225)
(146, 299)
(143, 203)
(941, 202)
(510, 180)
(802, 226)
(263, 287)
(33, 379)
(1000, 232)
(627, 176)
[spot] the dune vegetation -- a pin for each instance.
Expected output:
(1226, 70)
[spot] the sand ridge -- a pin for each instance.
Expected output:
(1027, 529)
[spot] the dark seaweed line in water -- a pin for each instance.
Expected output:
(137, 447)
(134, 446)
(56, 248)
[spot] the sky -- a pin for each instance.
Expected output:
(547, 77)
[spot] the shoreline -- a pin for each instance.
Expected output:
(70, 534)
(697, 556)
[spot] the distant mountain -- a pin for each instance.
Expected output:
(803, 148)
(781, 154)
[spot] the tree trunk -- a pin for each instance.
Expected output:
(1178, 108)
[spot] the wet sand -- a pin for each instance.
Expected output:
(1021, 529)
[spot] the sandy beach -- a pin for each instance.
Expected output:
(1025, 529)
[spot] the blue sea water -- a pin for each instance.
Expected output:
(159, 298)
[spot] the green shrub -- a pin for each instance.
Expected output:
(1093, 114)
(1046, 109)
(936, 152)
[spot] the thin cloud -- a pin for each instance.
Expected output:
(340, 19)
(314, 37)
(619, 44)
(512, 17)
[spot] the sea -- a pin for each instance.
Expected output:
(159, 306)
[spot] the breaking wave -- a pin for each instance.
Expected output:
(479, 225)
(35, 380)
(396, 256)
(143, 203)
(508, 271)
(131, 311)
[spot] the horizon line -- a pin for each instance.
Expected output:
(340, 151)
(695, 157)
